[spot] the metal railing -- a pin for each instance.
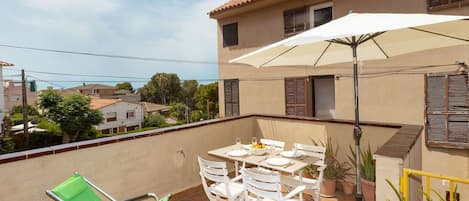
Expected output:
(404, 187)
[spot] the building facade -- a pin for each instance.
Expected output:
(396, 93)
(119, 116)
(13, 94)
(98, 90)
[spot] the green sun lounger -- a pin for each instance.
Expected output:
(78, 188)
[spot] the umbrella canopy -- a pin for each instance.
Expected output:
(379, 36)
(362, 37)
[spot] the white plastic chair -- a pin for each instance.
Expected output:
(222, 188)
(279, 145)
(266, 186)
(313, 184)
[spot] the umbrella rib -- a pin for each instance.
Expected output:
(324, 51)
(277, 56)
(380, 48)
(439, 34)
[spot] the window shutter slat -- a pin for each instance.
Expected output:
(436, 94)
(436, 127)
(458, 128)
(231, 88)
(458, 92)
(295, 96)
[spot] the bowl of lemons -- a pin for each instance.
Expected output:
(258, 149)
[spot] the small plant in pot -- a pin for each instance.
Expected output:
(367, 171)
(334, 171)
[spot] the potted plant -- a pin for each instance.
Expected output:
(335, 170)
(367, 171)
(348, 187)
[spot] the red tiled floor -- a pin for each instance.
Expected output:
(198, 194)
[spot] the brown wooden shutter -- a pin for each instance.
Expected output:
(296, 96)
(447, 110)
(231, 89)
(458, 125)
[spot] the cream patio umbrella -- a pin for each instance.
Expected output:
(358, 37)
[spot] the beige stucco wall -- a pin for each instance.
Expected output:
(307, 132)
(126, 169)
(392, 98)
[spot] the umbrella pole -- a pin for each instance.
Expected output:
(357, 131)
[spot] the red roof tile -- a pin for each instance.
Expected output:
(231, 4)
(2, 63)
(97, 103)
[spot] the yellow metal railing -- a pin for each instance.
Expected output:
(405, 182)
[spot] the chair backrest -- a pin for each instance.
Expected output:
(277, 144)
(75, 188)
(214, 172)
(311, 150)
(261, 184)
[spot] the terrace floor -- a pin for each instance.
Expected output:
(198, 194)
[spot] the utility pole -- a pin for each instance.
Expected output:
(25, 108)
(187, 111)
(208, 109)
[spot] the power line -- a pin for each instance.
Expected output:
(79, 75)
(157, 59)
(51, 83)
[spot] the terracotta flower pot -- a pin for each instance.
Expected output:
(328, 188)
(368, 190)
(348, 188)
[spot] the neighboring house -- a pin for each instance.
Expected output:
(13, 94)
(125, 95)
(153, 108)
(98, 90)
(119, 116)
(2, 97)
(437, 101)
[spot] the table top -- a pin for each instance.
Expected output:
(296, 164)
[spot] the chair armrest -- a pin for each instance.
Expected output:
(321, 167)
(295, 191)
(239, 177)
(149, 195)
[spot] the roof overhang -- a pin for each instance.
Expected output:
(227, 10)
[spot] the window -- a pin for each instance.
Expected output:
(231, 88)
(111, 116)
(106, 131)
(295, 20)
(310, 96)
(114, 130)
(230, 34)
(447, 110)
(130, 114)
(296, 96)
(301, 19)
(323, 96)
(15, 98)
(320, 14)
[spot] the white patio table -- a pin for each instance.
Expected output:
(295, 166)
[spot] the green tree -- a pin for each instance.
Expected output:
(178, 111)
(154, 120)
(189, 88)
(163, 88)
(197, 115)
(32, 111)
(125, 86)
(207, 96)
(73, 114)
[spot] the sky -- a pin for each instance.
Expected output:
(174, 29)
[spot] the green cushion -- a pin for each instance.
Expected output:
(75, 188)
